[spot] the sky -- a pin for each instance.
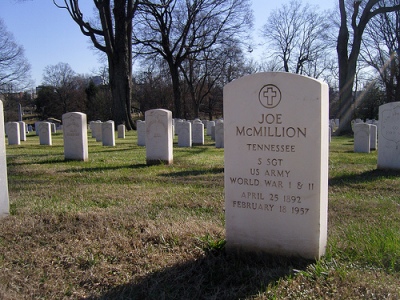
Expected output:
(50, 36)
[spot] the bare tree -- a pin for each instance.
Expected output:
(177, 30)
(297, 35)
(67, 90)
(381, 50)
(14, 68)
(114, 38)
(348, 51)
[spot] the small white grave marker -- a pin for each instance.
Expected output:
(141, 132)
(75, 136)
(108, 133)
(121, 131)
(45, 133)
(13, 133)
(362, 137)
(22, 131)
(185, 134)
(4, 200)
(219, 134)
(159, 136)
(197, 132)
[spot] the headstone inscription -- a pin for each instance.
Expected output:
(362, 137)
(276, 164)
(159, 140)
(75, 136)
(45, 133)
(389, 136)
(13, 133)
(4, 200)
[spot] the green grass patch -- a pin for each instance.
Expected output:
(115, 228)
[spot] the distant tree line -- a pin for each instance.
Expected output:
(184, 52)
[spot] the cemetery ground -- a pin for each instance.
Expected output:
(114, 228)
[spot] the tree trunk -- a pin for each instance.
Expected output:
(120, 67)
(121, 86)
(177, 90)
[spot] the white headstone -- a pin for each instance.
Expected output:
(4, 200)
(219, 134)
(276, 164)
(121, 131)
(185, 134)
(141, 132)
(362, 137)
(98, 132)
(22, 130)
(75, 136)
(178, 126)
(197, 132)
(210, 125)
(108, 133)
(45, 133)
(37, 127)
(389, 136)
(159, 136)
(53, 128)
(13, 133)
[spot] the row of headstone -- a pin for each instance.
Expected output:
(16, 132)
(189, 132)
(105, 132)
(383, 135)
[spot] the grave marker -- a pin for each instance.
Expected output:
(389, 136)
(159, 140)
(276, 164)
(22, 131)
(4, 200)
(362, 137)
(121, 131)
(13, 133)
(108, 133)
(197, 132)
(75, 136)
(45, 133)
(185, 134)
(219, 134)
(141, 132)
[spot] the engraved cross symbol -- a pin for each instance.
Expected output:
(270, 94)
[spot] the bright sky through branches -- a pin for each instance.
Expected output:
(50, 36)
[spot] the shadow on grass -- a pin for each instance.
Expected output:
(215, 276)
(364, 177)
(193, 172)
(105, 168)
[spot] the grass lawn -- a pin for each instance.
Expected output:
(114, 228)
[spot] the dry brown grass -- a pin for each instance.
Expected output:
(113, 228)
